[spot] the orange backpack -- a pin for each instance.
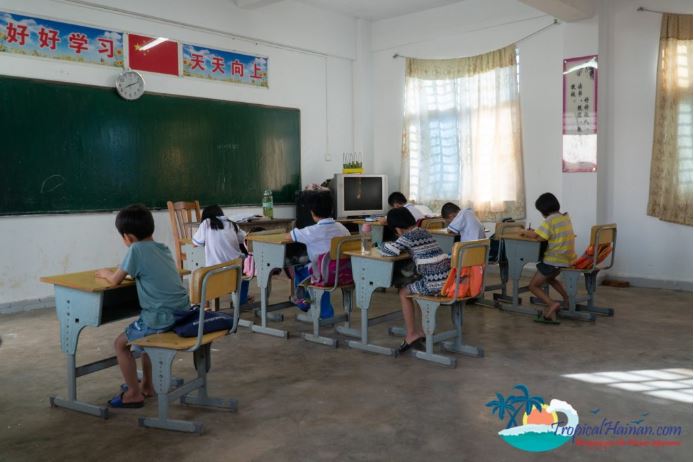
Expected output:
(585, 261)
(470, 282)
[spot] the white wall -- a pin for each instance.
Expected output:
(320, 85)
(649, 251)
(648, 248)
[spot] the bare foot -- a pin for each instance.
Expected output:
(147, 392)
(133, 397)
(551, 311)
(413, 338)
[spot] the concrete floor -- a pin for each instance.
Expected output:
(306, 402)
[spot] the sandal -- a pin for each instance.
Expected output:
(404, 346)
(117, 402)
(542, 319)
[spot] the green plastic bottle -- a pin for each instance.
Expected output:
(267, 204)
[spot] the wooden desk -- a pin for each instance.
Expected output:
(272, 251)
(445, 239)
(83, 300)
(520, 250)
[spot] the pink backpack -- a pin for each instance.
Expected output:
(327, 267)
(249, 267)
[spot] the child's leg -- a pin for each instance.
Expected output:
(244, 291)
(326, 306)
(414, 330)
(536, 286)
(128, 368)
(559, 287)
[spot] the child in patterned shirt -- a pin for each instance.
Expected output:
(432, 265)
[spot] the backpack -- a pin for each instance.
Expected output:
(585, 261)
(470, 284)
(187, 324)
(327, 267)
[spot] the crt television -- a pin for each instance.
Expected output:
(359, 195)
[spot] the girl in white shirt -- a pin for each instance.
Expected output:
(222, 239)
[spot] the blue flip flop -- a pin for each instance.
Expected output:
(117, 402)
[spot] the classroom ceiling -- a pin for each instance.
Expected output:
(378, 9)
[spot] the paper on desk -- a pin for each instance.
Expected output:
(244, 217)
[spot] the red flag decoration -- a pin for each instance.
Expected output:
(153, 54)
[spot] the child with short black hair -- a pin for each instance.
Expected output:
(558, 231)
(317, 239)
(398, 200)
(161, 295)
(223, 241)
(431, 262)
(462, 222)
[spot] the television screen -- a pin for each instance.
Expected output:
(362, 193)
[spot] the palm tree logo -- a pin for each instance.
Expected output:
(514, 404)
(532, 424)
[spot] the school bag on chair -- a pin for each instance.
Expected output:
(470, 285)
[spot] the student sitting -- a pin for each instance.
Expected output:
(160, 291)
(463, 222)
(317, 240)
(222, 239)
(432, 267)
(558, 231)
(398, 200)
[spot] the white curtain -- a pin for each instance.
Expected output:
(462, 134)
(670, 193)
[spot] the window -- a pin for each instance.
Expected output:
(462, 138)
(670, 195)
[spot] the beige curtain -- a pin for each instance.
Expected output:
(462, 134)
(670, 195)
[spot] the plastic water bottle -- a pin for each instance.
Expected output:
(267, 204)
(366, 238)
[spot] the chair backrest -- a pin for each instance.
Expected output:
(181, 215)
(212, 282)
(340, 245)
(469, 253)
(207, 283)
(432, 223)
(602, 235)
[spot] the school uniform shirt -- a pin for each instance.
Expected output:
(416, 213)
(317, 237)
(558, 231)
(432, 264)
(159, 287)
(467, 225)
(221, 245)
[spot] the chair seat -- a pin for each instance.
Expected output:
(436, 298)
(171, 341)
(581, 270)
(340, 286)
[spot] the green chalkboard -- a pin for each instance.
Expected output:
(77, 148)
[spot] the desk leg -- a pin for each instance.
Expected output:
(264, 275)
(366, 272)
(75, 311)
(519, 253)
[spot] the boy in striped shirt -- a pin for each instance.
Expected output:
(558, 231)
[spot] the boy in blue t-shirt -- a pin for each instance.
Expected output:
(160, 291)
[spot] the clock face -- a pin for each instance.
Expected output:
(130, 85)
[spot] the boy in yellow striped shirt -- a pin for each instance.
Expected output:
(558, 231)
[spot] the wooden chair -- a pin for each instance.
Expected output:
(182, 214)
(338, 246)
(432, 223)
(208, 283)
(599, 235)
(465, 254)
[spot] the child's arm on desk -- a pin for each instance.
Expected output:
(530, 233)
(114, 277)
